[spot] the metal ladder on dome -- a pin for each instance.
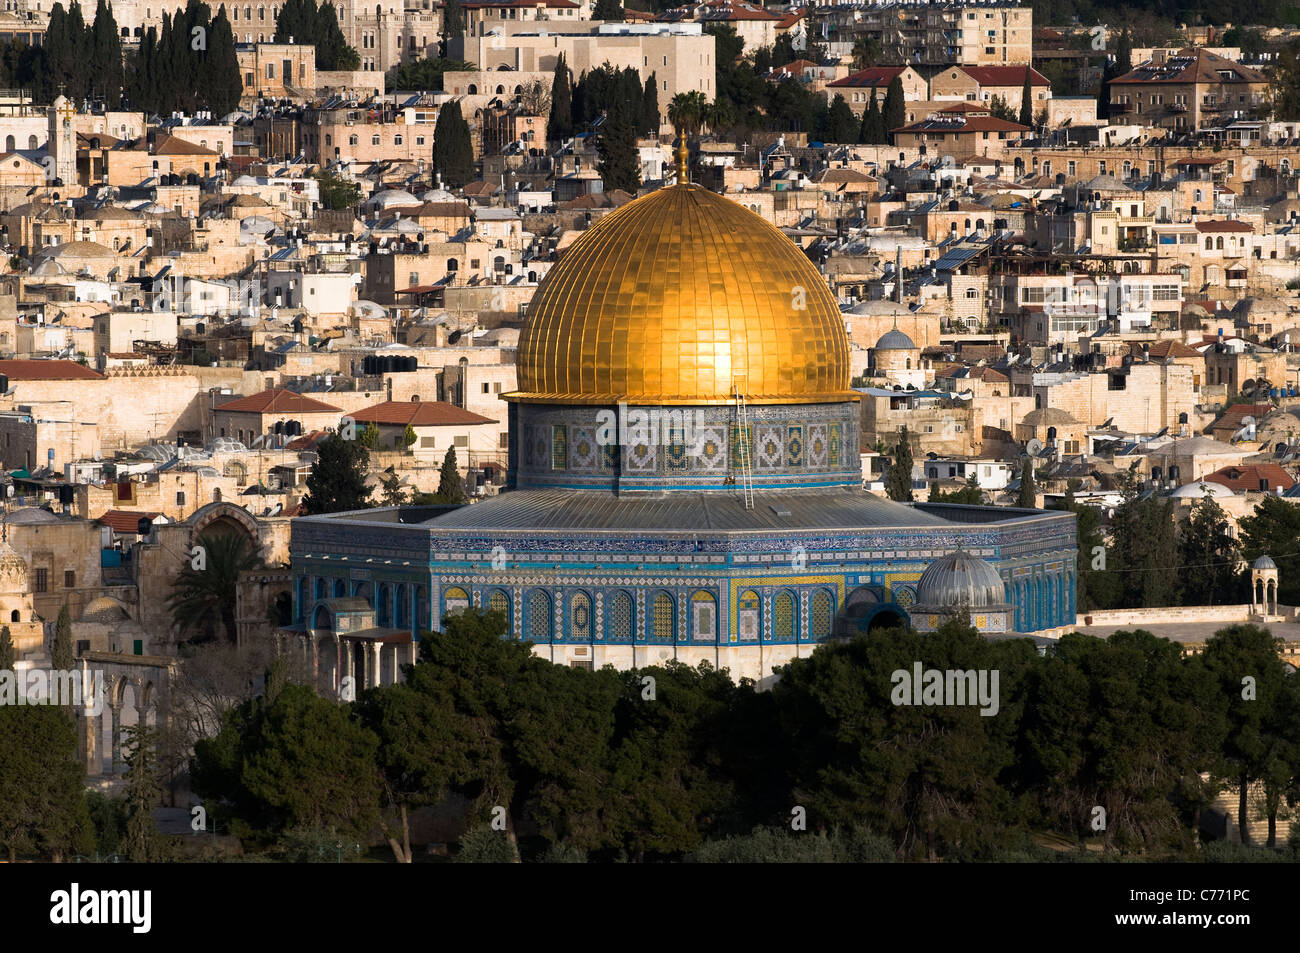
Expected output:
(742, 435)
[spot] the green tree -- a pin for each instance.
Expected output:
(895, 110)
(999, 109)
(337, 481)
(1208, 556)
(425, 74)
(202, 596)
(1027, 498)
(620, 165)
(451, 486)
(453, 151)
(337, 193)
(873, 123)
(841, 124)
(219, 75)
(1274, 530)
(865, 52)
(106, 56)
(969, 495)
(6, 650)
(295, 761)
(483, 845)
(608, 10)
(1095, 588)
(369, 436)
(1026, 117)
(560, 124)
(63, 657)
(143, 842)
(1142, 538)
(42, 808)
(898, 477)
(394, 494)
(306, 23)
(1256, 700)
(650, 117)
(453, 23)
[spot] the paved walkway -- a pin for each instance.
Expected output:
(1189, 631)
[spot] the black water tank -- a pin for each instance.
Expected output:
(144, 526)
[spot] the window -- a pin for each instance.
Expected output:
(619, 624)
(539, 616)
(69, 579)
(500, 602)
(42, 581)
(270, 71)
(580, 617)
(783, 617)
(180, 498)
(662, 621)
(374, 140)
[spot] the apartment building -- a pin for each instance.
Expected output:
(1193, 89)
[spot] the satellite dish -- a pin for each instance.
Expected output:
(1034, 447)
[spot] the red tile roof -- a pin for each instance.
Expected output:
(1004, 76)
(278, 401)
(29, 370)
(1252, 477)
(872, 76)
(1224, 225)
(418, 413)
(126, 521)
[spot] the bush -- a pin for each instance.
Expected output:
(486, 846)
(766, 846)
(563, 853)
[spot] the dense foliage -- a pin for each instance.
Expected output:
(670, 762)
(318, 26)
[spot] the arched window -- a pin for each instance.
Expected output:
(783, 620)
(539, 616)
(498, 601)
(704, 616)
(340, 588)
(748, 616)
(454, 599)
(618, 619)
(33, 142)
(401, 606)
(822, 615)
(580, 617)
(473, 89)
(397, 140)
(452, 265)
(662, 621)
(318, 590)
(353, 140)
(1218, 243)
(13, 616)
(972, 293)
(10, 144)
(385, 613)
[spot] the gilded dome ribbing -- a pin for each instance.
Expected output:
(679, 298)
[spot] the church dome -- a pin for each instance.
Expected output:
(1263, 562)
(960, 579)
(13, 570)
(895, 340)
(674, 296)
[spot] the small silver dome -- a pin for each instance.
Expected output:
(960, 579)
(1263, 562)
(895, 340)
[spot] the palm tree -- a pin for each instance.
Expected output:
(865, 52)
(202, 600)
(686, 112)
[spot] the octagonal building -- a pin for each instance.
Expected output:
(684, 480)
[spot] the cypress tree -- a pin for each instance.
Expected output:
(6, 650)
(560, 124)
(453, 24)
(871, 122)
(841, 124)
(1028, 496)
(63, 658)
(453, 151)
(451, 487)
(106, 56)
(895, 109)
(650, 117)
(898, 478)
(620, 167)
(608, 10)
(1027, 101)
(223, 83)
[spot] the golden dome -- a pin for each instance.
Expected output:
(674, 297)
